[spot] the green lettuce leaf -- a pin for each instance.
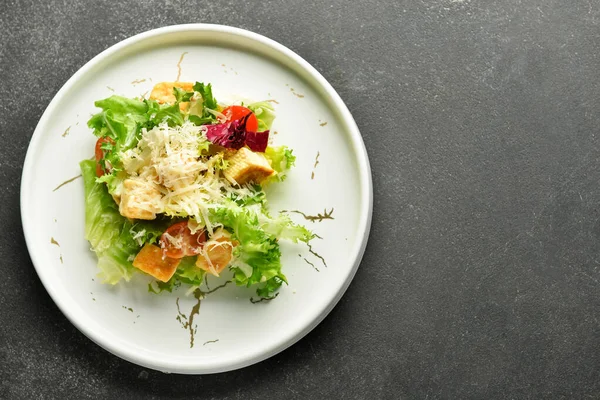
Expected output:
(144, 232)
(205, 91)
(158, 287)
(120, 120)
(181, 95)
(265, 114)
(199, 105)
(270, 287)
(257, 257)
(186, 272)
(159, 113)
(281, 159)
(108, 232)
(282, 227)
(257, 196)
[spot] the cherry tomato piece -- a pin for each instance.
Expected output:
(234, 113)
(178, 241)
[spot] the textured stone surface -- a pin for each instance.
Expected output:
(482, 275)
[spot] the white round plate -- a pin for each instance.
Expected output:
(229, 331)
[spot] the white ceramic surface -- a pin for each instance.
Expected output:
(139, 326)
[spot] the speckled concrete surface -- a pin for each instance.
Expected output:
(482, 275)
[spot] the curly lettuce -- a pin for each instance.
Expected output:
(281, 159)
(257, 257)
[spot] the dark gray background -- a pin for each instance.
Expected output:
(482, 274)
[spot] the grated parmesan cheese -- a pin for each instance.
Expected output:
(177, 161)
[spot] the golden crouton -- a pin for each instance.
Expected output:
(163, 92)
(139, 200)
(150, 260)
(218, 250)
(247, 166)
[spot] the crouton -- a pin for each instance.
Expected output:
(139, 200)
(247, 166)
(150, 260)
(163, 92)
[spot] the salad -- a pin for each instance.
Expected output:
(176, 190)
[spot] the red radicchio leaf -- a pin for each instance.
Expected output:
(233, 135)
(257, 141)
(230, 135)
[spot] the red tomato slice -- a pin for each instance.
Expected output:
(178, 241)
(238, 112)
(100, 154)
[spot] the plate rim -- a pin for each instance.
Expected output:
(364, 225)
